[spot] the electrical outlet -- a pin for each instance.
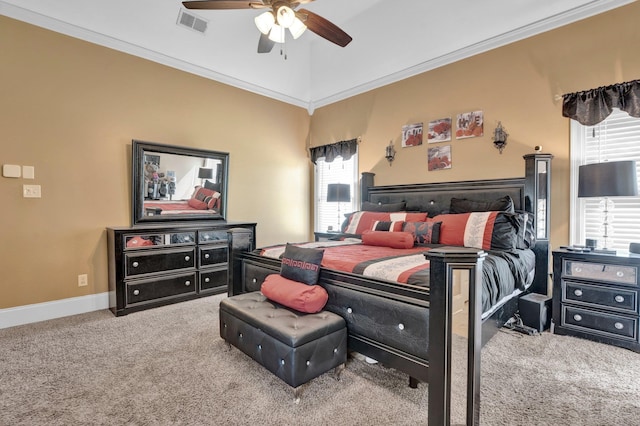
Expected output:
(83, 280)
(31, 191)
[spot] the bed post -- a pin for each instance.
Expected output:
(366, 182)
(537, 190)
(239, 240)
(443, 262)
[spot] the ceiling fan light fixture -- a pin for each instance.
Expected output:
(277, 34)
(285, 16)
(265, 22)
(297, 28)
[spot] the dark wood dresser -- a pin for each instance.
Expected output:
(158, 264)
(595, 296)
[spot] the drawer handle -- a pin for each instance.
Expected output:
(187, 283)
(620, 274)
(577, 317)
(187, 258)
(618, 326)
(206, 256)
(619, 299)
(577, 292)
(135, 264)
(136, 292)
(578, 269)
(206, 280)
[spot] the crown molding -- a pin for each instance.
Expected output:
(74, 31)
(581, 12)
(585, 11)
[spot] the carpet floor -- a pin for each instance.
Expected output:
(168, 366)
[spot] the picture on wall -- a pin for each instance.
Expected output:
(439, 130)
(439, 157)
(411, 135)
(470, 125)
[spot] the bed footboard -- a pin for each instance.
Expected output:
(405, 327)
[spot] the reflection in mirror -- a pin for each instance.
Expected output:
(178, 183)
(459, 345)
(541, 207)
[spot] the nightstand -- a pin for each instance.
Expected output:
(327, 236)
(595, 296)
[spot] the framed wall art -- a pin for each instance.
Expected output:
(439, 130)
(411, 135)
(470, 125)
(439, 157)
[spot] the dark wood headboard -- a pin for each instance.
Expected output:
(434, 198)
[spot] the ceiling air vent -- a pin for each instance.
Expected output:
(191, 21)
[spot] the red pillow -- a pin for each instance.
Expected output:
(362, 221)
(197, 204)
(294, 294)
(138, 241)
(401, 240)
(484, 230)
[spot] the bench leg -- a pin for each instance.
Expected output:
(297, 393)
(413, 382)
(338, 370)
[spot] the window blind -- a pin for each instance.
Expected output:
(331, 214)
(614, 139)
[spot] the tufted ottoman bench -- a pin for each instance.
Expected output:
(294, 346)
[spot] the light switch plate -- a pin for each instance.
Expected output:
(11, 170)
(28, 172)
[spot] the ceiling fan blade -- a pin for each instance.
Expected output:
(265, 44)
(324, 28)
(225, 4)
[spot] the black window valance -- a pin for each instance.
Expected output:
(592, 106)
(344, 149)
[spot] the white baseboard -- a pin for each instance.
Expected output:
(27, 314)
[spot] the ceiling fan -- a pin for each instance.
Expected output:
(272, 23)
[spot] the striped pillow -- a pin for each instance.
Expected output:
(483, 230)
(388, 226)
(362, 221)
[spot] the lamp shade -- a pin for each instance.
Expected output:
(338, 192)
(204, 173)
(609, 179)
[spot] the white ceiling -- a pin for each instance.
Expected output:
(392, 39)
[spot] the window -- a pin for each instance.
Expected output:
(614, 139)
(330, 215)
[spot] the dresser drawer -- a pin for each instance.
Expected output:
(253, 276)
(611, 325)
(218, 235)
(600, 272)
(214, 278)
(140, 291)
(213, 255)
(151, 261)
(623, 300)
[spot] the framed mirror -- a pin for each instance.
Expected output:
(175, 183)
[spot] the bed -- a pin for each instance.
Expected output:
(408, 325)
(202, 201)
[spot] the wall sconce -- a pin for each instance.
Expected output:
(390, 152)
(500, 137)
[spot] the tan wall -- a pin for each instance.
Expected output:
(516, 84)
(71, 108)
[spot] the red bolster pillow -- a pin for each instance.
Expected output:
(400, 240)
(294, 294)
